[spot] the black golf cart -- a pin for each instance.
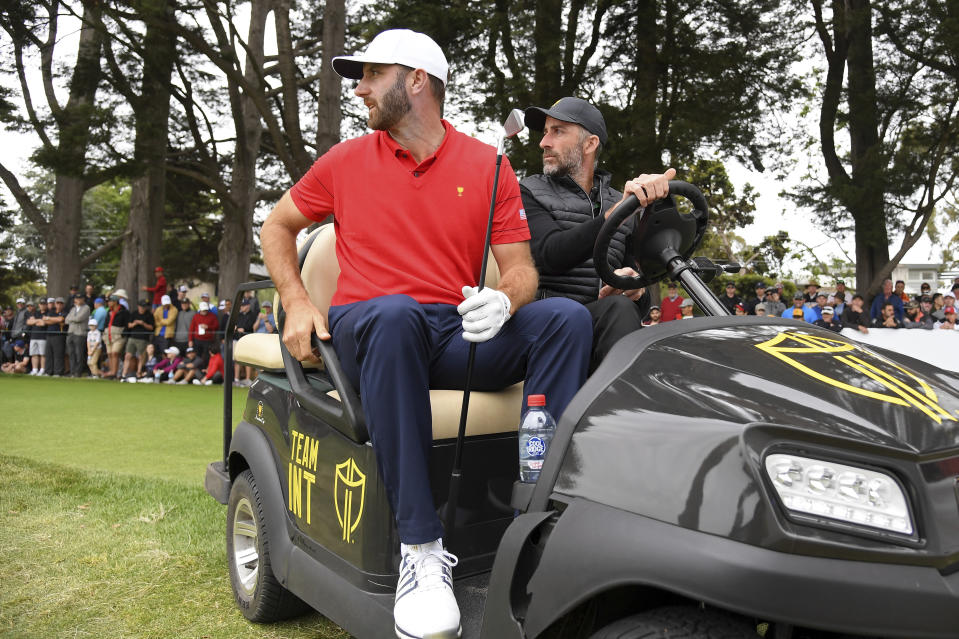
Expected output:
(716, 477)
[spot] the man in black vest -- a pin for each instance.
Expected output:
(566, 206)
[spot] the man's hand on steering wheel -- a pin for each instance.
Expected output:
(302, 319)
(647, 187)
(633, 294)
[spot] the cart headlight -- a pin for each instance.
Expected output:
(835, 491)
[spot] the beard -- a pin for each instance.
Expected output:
(568, 163)
(392, 107)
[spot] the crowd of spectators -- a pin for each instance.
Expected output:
(163, 337)
(166, 337)
(893, 307)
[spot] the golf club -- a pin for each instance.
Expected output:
(513, 125)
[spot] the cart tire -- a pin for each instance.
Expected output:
(258, 594)
(678, 622)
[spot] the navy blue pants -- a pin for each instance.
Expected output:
(395, 349)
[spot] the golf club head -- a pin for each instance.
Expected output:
(513, 125)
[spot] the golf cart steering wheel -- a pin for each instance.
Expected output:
(662, 234)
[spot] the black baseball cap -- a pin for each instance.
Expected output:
(575, 110)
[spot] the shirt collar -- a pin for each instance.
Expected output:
(404, 156)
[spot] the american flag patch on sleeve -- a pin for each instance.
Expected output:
(522, 214)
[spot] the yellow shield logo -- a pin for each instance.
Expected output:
(349, 495)
(259, 412)
(879, 378)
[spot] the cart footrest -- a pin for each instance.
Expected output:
(217, 481)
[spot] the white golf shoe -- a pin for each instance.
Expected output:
(425, 607)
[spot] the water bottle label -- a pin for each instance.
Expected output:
(535, 464)
(535, 447)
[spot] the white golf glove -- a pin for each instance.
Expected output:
(484, 313)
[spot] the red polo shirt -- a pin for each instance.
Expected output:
(408, 228)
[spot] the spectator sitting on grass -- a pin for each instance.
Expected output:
(94, 343)
(147, 362)
(181, 336)
(214, 368)
(188, 367)
(38, 336)
(888, 318)
(138, 333)
(828, 320)
(20, 362)
(166, 367)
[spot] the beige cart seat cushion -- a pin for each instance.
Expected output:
(488, 412)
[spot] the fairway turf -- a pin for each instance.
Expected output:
(148, 430)
(105, 529)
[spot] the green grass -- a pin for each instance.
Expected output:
(105, 529)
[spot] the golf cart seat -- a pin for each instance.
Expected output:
(489, 412)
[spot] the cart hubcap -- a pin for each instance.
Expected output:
(246, 558)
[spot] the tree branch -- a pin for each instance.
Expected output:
(27, 205)
(90, 258)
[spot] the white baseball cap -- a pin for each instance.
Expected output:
(203, 306)
(166, 300)
(183, 288)
(397, 46)
(20, 300)
(173, 349)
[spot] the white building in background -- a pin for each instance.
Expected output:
(915, 274)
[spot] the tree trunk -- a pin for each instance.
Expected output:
(865, 198)
(328, 106)
(63, 233)
(63, 236)
(647, 151)
(141, 248)
(237, 243)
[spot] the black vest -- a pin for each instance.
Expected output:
(570, 205)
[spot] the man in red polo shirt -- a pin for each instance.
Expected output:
(159, 289)
(410, 204)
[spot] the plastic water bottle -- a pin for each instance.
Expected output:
(535, 435)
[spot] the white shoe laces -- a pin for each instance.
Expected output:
(429, 568)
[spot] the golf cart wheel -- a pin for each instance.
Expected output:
(258, 594)
(678, 622)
